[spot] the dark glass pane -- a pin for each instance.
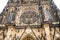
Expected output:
(10, 17)
(47, 15)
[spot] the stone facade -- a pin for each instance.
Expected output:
(30, 20)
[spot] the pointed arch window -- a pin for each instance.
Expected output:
(11, 17)
(47, 14)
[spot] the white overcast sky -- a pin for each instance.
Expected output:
(4, 2)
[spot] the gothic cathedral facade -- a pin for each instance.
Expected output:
(30, 20)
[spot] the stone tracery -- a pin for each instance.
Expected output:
(33, 20)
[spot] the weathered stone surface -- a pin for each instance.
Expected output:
(30, 20)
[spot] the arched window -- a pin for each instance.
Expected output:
(47, 14)
(11, 17)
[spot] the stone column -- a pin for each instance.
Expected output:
(47, 31)
(17, 21)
